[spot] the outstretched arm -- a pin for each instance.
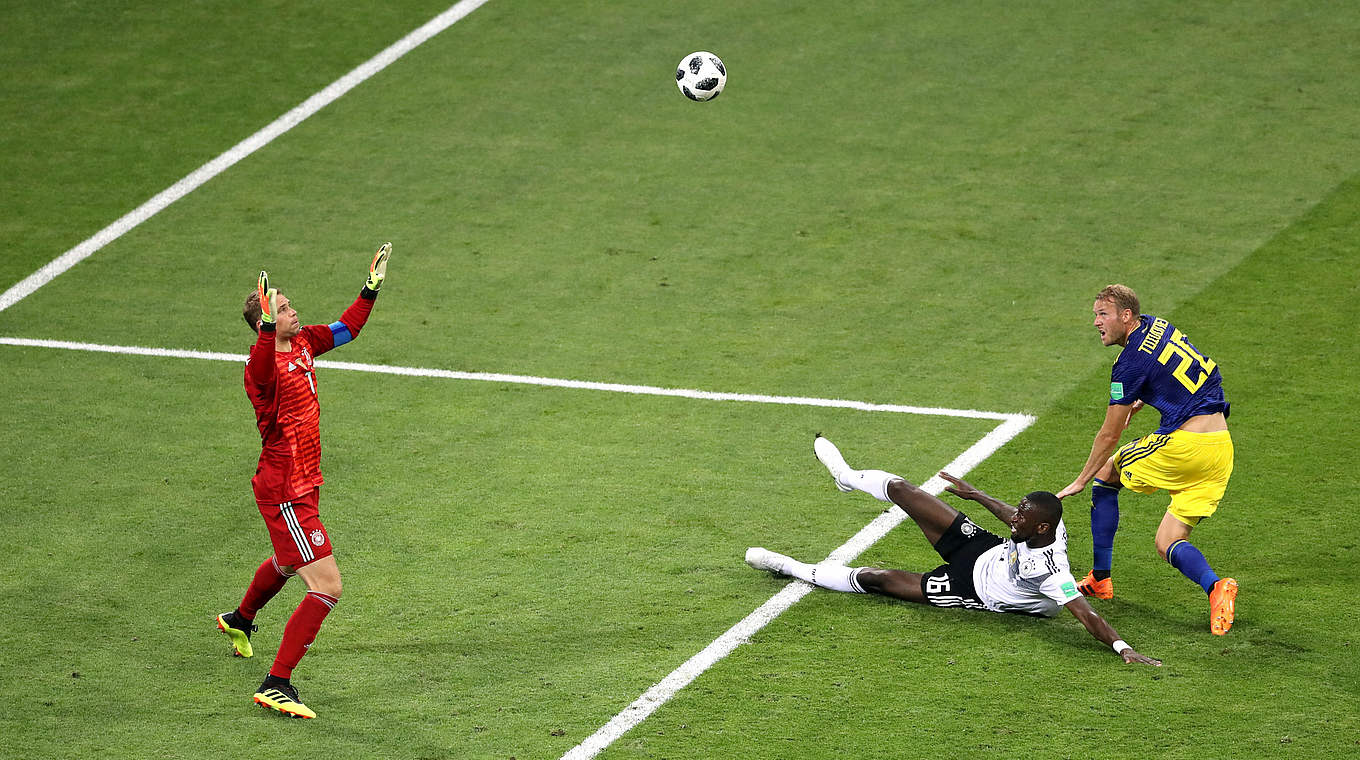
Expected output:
(355, 317)
(965, 490)
(260, 366)
(1096, 626)
(1107, 440)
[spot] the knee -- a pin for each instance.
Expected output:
(872, 579)
(335, 588)
(1108, 473)
(899, 491)
(1162, 545)
(871, 576)
(329, 585)
(896, 584)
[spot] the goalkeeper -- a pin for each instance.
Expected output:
(280, 379)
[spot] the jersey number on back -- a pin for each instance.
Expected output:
(1178, 347)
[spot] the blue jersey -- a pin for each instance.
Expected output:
(1162, 369)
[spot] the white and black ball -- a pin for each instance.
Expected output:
(701, 76)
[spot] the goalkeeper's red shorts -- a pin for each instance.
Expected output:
(296, 531)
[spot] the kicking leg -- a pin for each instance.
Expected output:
(930, 513)
(847, 478)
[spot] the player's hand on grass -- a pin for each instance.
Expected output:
(269, 299)
(377, 271)
(1131, 657)
(961, 488)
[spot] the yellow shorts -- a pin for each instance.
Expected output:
(1193, 467)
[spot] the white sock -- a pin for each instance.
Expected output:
(827, 575)
(873, 482)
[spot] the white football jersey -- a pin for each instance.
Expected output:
(1013, 577)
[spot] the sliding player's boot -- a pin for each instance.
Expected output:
(763, 559)
(830, 456)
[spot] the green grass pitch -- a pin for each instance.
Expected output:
(905, 203)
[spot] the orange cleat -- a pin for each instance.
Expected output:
(1221, 603)
(1089, 586)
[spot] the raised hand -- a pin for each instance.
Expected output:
(269, 299)
(377, 271)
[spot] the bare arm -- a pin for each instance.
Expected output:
(1107, 440)
(1097, 627)
(965, 490)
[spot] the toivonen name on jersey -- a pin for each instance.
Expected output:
(1154, 335)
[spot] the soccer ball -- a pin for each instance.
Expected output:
(701, 76)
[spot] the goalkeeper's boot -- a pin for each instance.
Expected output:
(763, 559)
(830, 456)
(238, 629)
(279, 694)
(1221, 602)
(1101, 589)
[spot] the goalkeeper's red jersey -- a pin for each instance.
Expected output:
(283, 389)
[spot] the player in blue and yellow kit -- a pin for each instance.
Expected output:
(1190, 455)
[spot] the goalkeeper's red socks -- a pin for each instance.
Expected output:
(268, 581)
(301, 632)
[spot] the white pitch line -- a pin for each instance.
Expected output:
(202, 174)
(740, 633)
(553, 382)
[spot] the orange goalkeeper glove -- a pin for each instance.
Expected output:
(269, 299)
(377, 271)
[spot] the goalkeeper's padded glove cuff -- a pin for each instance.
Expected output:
(268, 327)
(368, 293)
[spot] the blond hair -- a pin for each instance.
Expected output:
(1122, 296)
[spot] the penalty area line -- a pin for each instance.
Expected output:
(263, 137)
(552, 382)
(742, 632)
(1010, 426)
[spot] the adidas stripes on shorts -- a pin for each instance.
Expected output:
(296, 531)
(1193, 467)
(951, 584)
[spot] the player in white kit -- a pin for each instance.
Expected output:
(1026, 573)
